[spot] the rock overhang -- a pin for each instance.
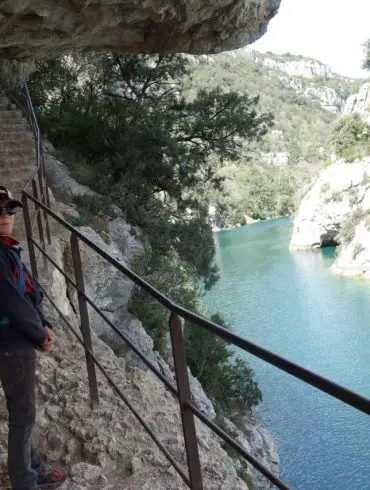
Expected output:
(36, 29)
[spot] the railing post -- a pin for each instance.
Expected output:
(38, 211)
(44, 192)
(183, 386)
(84, 316)
(31, 247)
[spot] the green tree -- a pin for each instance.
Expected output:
(366, 64)
(229, 382)
(351, 137)
(153, 147)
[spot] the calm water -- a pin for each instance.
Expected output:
(291, 304)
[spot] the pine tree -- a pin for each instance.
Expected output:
(150, 146)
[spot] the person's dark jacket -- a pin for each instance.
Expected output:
(26, 320)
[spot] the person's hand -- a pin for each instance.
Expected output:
(47, 345)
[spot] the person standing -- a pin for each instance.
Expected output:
(23, 329)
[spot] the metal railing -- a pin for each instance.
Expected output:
(182, 392)
(38, 181)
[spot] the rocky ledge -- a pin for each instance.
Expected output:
(43, 28)
(105, 448)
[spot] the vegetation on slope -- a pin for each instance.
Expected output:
(254, 186)
(351, 137)
(143, 142)
(163, 138)
(228, 381)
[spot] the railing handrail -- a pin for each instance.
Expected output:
(337, 391)
(36, 133)
(260, 467)
(188, 409)
(29, 112)
(39, 171)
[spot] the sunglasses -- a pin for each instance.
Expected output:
(7, 210)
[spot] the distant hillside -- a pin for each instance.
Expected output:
(294, 65)
(310, 77)
(305, 97)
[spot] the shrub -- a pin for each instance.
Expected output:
(92, 205)
(325, 187)
(348, 228)
(173, 279)
(80, 221)
(229, 382)
(337, 196)
(350, 137)
(358, 248)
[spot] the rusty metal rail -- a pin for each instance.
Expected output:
(183, 393)
(187, 408)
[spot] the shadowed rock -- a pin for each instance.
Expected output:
(42, 28)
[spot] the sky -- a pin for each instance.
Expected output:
(331, 31)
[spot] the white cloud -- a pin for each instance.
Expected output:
(331, 31)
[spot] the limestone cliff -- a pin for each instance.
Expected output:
(306, 76)
(300, 66)
(336, 209)
(354, 255)
(43, 28)
(341, 189)
(359, 103)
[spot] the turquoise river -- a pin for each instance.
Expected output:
(293, 305)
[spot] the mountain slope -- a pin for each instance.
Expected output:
(272, 180)
(308, 76)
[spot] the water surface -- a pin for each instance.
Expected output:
(292, 305)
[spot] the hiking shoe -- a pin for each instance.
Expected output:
(51, 479)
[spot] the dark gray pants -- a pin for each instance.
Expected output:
(17, 374)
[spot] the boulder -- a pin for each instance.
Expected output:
(59, 178)
(353, 258)
(359, 103)
(255, 439)
(129, 239)
(339, 190)
(200, 398)
(111, 290)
